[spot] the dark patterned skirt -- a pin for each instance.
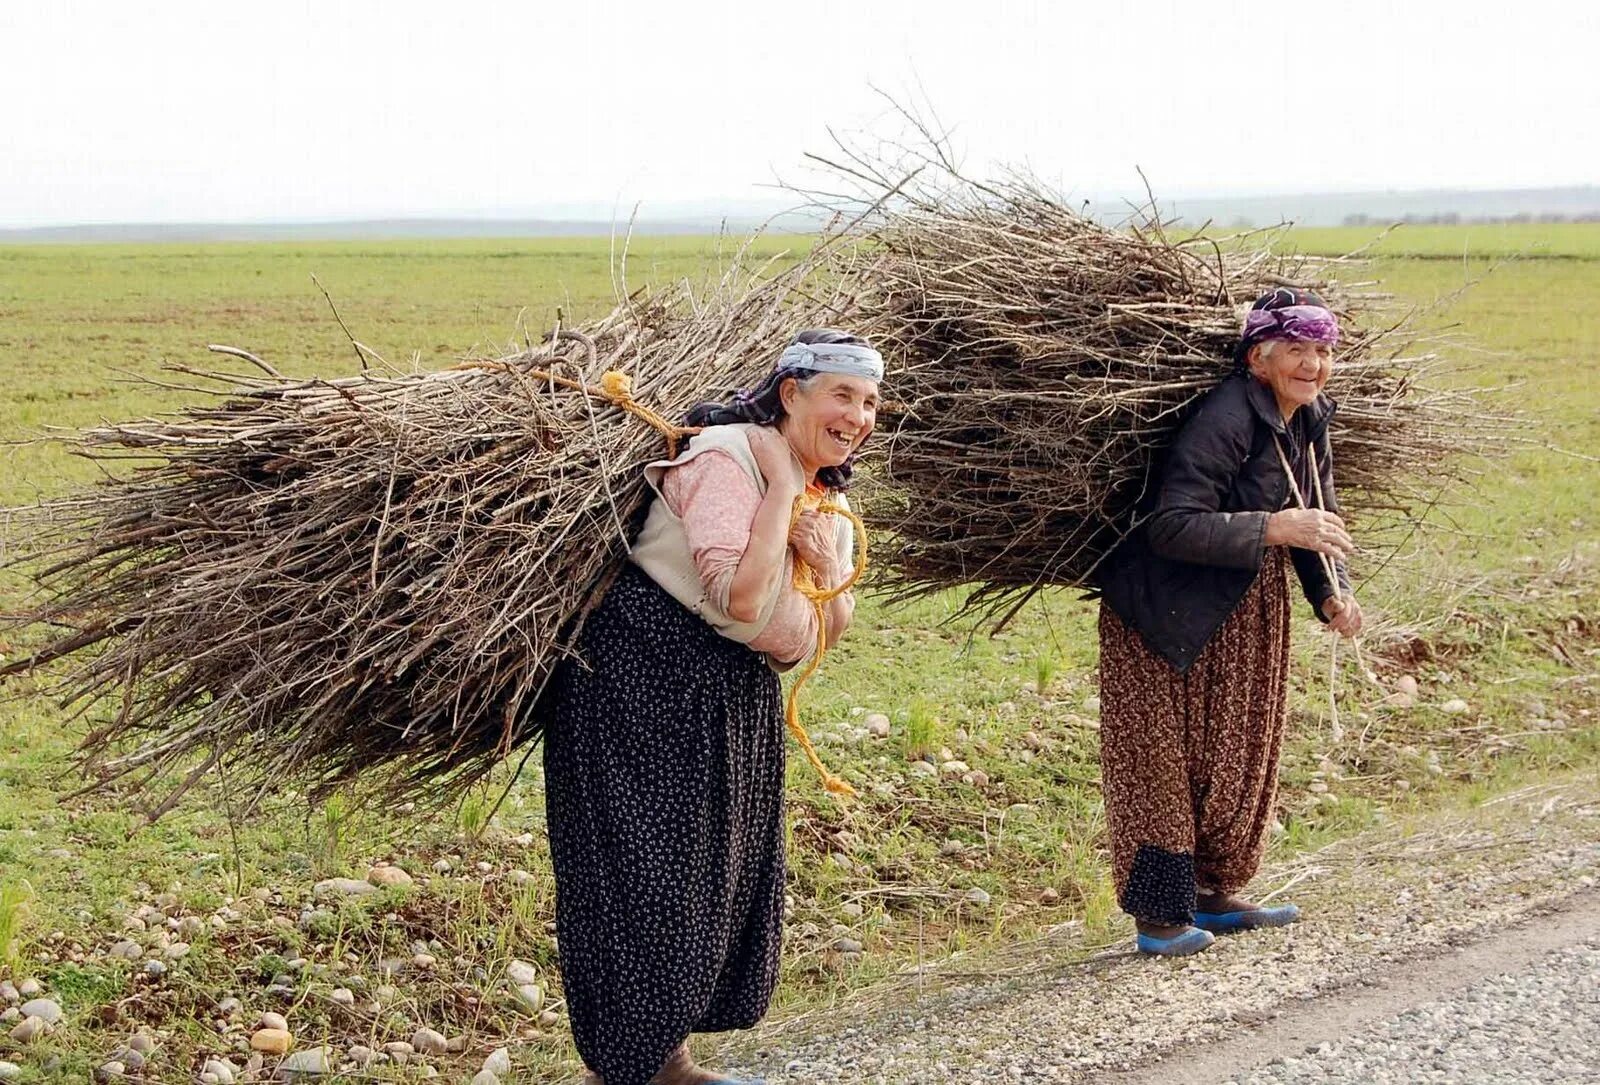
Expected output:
(664, 771)
(1189, 762)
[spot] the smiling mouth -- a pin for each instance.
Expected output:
(840, 439)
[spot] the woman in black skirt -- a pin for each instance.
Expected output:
(664, 755)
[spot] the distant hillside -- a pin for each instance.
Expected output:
(1570, 204)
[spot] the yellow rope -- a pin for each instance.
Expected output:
(617, 388)
(804, 581)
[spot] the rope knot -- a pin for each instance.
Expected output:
(616, 385)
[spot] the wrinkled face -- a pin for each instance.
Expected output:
(828, 417)
(1294, 369)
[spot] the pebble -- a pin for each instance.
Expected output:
(271, 1041)
(1407, 684)
(424, 960)
(530, 996)
(520, 877)
(1091, 704)
(229, 1006)
(142, 1042)
(848, 945)
(10, 1071)
(549, 1019)
(361, 1055)
(177, 951)
(851, 909)
(428, 1042)
(342, 996)
(310, 1062)
(42, 1007)
(1049, 896)
(484, 1077)
(877, 724)
(924, 768)
(398, 1047)
(127, 951)
(498, 1063)
(30, 988)
(110, 1071)
(273, 1021)
(222, 1070)
(1454, 707)
(956, 768)
(441, 866)
(977, 896)
(29, 1030)
(388, 876)
(343, 887)
(8, 991)
(520, 972)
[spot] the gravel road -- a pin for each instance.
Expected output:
(1464, 945)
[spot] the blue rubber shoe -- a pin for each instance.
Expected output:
(1248, 920)
(1190, 942)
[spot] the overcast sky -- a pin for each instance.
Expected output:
(283, 110)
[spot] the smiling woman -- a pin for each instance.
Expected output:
(1194, 632)
(664, 755)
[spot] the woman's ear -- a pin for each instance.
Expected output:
(788, 389)
(1254, 360)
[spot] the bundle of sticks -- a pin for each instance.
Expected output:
(375, 575)
(1042, 360)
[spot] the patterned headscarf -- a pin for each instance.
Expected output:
(1287, 313)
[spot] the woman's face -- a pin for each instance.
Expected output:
(828, 417)
(1294, 369)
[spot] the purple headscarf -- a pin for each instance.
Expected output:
(1287, 313)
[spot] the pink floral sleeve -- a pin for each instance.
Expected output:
(717, 502)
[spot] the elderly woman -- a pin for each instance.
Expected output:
(664, 753)
(1194, 632)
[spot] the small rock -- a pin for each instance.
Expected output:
(342, 887)
(484, 1077)
(127, 951)
(30, 1029)
(1033, 740)
(207, 1078)
(483, 867)
(222, 1070)
(1407, 685)
(441, 866)
(388, 876)
(142, 1042)
(10, 1071)
(956, 768)
(229, 1006)
(851, 909)
(530, 996)
(30, 988)
(271, 1041)
(428, 1042)
(520, 972)
(132, 1061)
(977, 896)
(10, 1015)
(342, 996)
(520, 877)
(8, 991)
(361, 1055)
(549, 1019)
(498, 1063)
(424, 960)
(177, 951)
(877, 724)
(847, 945)
(923, 768)
(1049, 896)
(311, 1062)
(273, 1021)
(399, 1047)
(190, 927)
(111, 1071)
(1455, 706)
(42, 1007)
(522, 840)
(979, 778)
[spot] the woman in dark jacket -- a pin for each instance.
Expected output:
(1194, 632)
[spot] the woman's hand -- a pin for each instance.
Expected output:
(812, 536)
(777, 463)
(1310, 529)
(1343, 613)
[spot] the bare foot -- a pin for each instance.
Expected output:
(680, 1069)
(1158, 930)
(1221, 903)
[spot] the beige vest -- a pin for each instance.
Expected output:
(662, 548)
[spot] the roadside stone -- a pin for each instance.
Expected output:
(441, 866)
(484, 1077)
(848, 945)
(132, 1061)
(498, 1063)
(1049, 896)
(520, 877)
(343, 887)
(111, 1071)
(877, 724)
(361, 1055)
(400, 1048)
(271, 1041)
(8, 991)
(311, 1062)
(530, 996)
(521, 972)
(126, 950)
(42, 1007)
(388, 876)
(30, 1029)
(229, 1006)
(428, 1042)
(924, 768)
(222, 1070)
(273, 1021)
(30, 988)
(977, 896)
(1454, 707)
(142, 1042)
(342, 996)
(177, 951)
(424, 960)
(549, 1019)
(956, 768)
(10, 1071)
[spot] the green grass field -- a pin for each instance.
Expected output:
(1493, 608)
